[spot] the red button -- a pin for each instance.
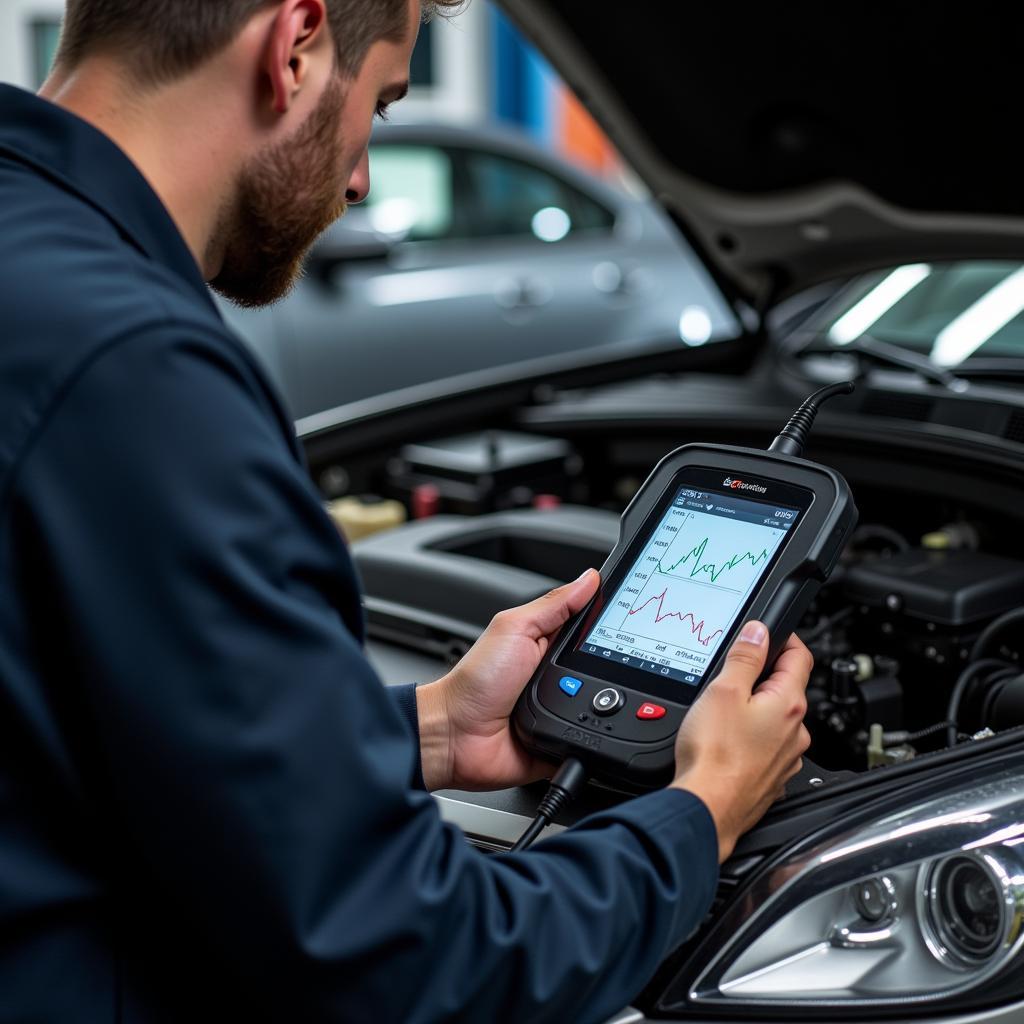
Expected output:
(650, 711)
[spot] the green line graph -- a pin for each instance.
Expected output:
(711, 569)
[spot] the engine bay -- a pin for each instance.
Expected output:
(914, 636)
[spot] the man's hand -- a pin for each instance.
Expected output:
(738, 746)
(466, 741)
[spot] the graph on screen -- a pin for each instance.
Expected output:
(692, 578)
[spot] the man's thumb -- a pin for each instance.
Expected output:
(747, 655)
(553, 610)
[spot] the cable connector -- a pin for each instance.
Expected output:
(793, 436)
(562, 790)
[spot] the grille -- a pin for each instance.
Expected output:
(901, 407)
(1015, 427)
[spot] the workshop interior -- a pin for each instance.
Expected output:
(602, 279)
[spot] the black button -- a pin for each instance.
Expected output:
(608, 701)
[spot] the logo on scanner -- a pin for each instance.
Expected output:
(581, 738)
(740, 485)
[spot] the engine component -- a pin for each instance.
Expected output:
(860, 690)
(952, 537)
(484, 472)
(932, 605)
(879, 754)
(844, 675)
(950, 588)
(990, 691)
(1004, 704)
(466, 570)
(365, 515)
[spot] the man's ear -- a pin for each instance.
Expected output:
(298, 25)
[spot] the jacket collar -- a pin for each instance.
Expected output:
(82, 160)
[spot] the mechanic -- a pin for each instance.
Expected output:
(210, 808)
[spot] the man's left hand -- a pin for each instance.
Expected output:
(466, 739)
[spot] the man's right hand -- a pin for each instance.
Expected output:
(737, 747)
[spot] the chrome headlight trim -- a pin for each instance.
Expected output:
(981, 823)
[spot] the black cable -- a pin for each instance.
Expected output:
(902, 736)
(977, 664)
(535, 828)
(963, 681)
(793, 436)
(562, 790)
(992, 629)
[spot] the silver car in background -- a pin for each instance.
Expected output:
(476, 249)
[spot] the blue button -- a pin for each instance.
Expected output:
(569, 685)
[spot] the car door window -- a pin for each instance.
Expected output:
(411, 193)
(513, 198)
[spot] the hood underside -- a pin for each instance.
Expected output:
(797, 143)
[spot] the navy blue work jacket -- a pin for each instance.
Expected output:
(210, 807)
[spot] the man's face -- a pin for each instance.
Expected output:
(294, 190)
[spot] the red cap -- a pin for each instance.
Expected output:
(546, 501)
(426, 501)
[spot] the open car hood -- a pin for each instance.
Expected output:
(795, 143)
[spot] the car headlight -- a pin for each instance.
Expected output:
(917, 907)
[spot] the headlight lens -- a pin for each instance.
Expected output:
(972, 907)
(920, 906)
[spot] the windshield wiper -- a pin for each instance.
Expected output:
(883, 353)
(893, 355)
(992, 367)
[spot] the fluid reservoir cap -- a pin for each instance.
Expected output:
(426, 501)
(542, 501)
(369, 514)
(865, 667)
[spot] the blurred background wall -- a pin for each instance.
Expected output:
(476, 68)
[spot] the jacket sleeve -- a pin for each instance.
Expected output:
(254, 770)
(403, 697)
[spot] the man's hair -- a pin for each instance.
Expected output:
(161, 40)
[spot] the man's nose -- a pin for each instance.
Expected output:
(359, 184)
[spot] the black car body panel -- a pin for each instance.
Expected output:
(796, 146)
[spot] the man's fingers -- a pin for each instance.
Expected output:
(550, 612)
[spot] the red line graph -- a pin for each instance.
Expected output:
(696, 628)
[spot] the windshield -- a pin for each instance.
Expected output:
(949, 312)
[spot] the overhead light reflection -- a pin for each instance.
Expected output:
(870, 309)
(980, 321)
(1004, 835)
(394, 216)
(695, 326)
(903, 831)
(551, 224)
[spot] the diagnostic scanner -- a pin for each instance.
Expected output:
(716, 536)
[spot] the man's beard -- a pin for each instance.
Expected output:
(285, 199)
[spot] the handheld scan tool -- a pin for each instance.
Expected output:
(715, 537)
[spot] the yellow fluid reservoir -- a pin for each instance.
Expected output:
(360, 517)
